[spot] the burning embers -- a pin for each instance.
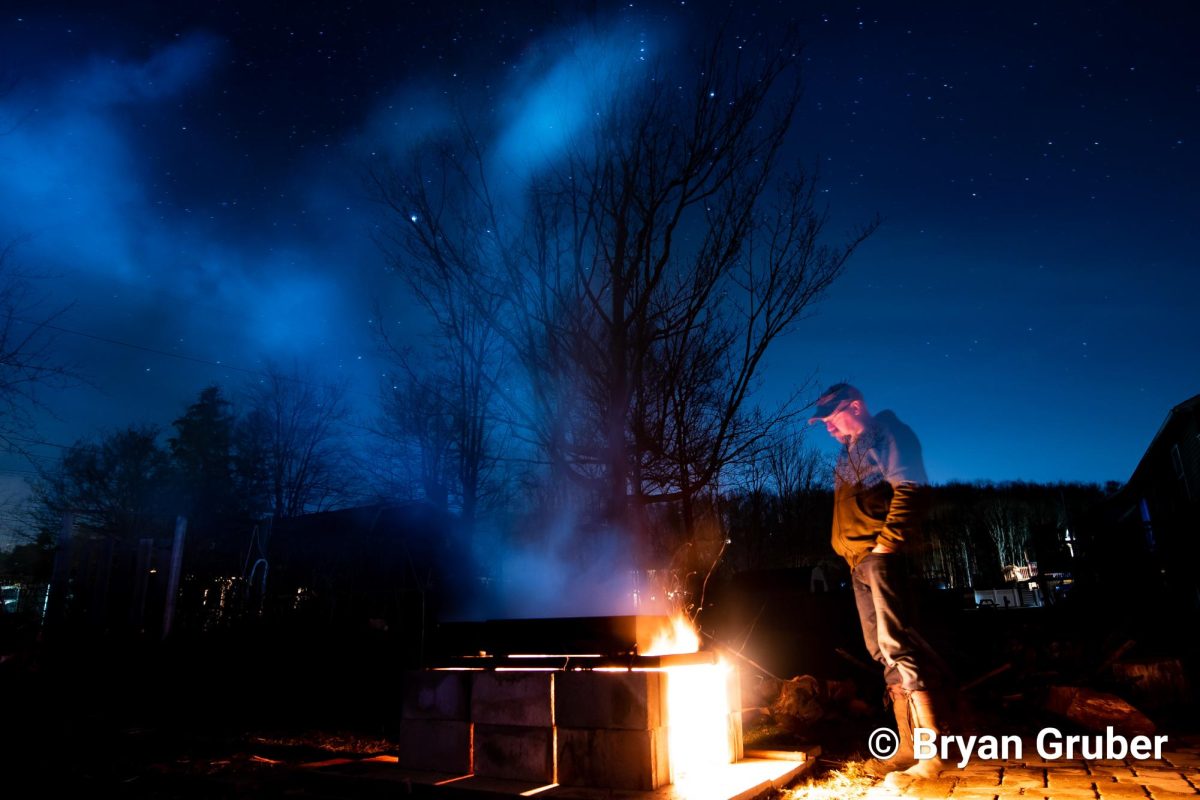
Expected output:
(674, 638)
(609, 702)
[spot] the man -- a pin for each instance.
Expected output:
(880, 500)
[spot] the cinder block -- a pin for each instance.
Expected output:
(513, 698)
(623, 700)
(694, 690)
(432, 694)
(514, 753)
(733, 688)
(634, 760)
(435, 745)
(736, 747)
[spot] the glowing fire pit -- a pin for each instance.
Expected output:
(606, 702)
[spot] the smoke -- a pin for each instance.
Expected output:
(531, 115)
(120, 182)
(176, 230)
(164, 75)
(73, 179)
(93, 200)
(573, 79)
(552, 565)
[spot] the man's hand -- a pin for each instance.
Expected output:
(882, 548)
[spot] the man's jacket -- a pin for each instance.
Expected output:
(880, 491)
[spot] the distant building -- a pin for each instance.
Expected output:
(372, 565)
(1019, 595)
(1023, 573)
(1157, 512)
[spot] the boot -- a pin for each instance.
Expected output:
(922, 715)
(903, 757)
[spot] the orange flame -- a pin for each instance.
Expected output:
(698, 707)
(680, 637)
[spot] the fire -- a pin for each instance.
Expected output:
(701, 734)
(681, 637)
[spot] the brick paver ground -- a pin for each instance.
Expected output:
(1175, 775)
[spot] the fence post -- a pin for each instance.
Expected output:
(102, 585)
(60, 577)
(173, 578)
(141, 585)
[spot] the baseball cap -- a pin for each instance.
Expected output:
(832, 398)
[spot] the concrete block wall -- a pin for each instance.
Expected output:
(622, 700)
(612, 730)
(632, 760)
(606, 730)
(436, 695)
(515, 752)
(513, 698)
(435, 727)
(435, 745)
(513, 714)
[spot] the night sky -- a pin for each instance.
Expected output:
(190, 177)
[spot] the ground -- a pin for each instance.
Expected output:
(839, 774)
(1176, 775)
(242, 715)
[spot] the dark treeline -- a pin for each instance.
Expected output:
(226, 466)
(975, 532)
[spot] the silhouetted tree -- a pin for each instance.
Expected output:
(976, 530)
(203, 459)
(769, 528)
(417, 429)
(33, 560)
(29, 361)
(291, 441)
(640, 282)
(442, 398)
(779, 514)
(118, 486)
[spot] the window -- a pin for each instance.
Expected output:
(1180, 471)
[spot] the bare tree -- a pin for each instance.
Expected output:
(29, 361)
(778, 505)
(28, 358)
(640, 281)
(117, 486)
(417, 424)
(1006, 523)
(796, 467)
(443, 397)
(439, 405)
(294, 427)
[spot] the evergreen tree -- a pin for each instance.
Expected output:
(202, 452)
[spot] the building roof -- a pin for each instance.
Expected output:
(1186, 407)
